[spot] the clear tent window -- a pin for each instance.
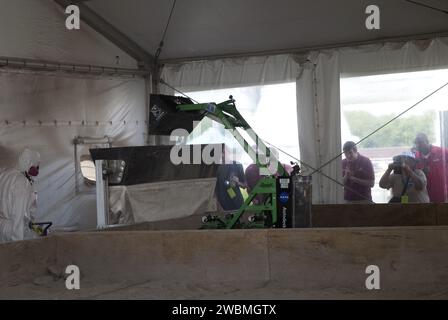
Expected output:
(271, 111)
(369, 101)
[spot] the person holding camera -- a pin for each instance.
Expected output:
(407, 182)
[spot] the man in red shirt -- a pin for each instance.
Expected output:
(433, 162)
(253, 175)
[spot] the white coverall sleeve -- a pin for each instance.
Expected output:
(21, 197)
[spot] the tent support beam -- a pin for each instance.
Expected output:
(75, 68)
(306, 50)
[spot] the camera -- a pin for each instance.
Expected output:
(396, 164)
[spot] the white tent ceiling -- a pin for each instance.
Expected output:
(227, 27)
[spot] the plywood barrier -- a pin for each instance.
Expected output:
(411, 259)
(327, 262)
(370, 215)
(24, 260)
(207, 255)
(334, 215)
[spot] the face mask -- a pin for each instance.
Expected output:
(34, 171)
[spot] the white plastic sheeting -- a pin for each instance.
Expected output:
(215, 74)
(46, 112)
(161, 201)
(319, 124)
(394, 57)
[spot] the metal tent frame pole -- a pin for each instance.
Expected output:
(70, 68)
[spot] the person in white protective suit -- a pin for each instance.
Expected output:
(18, 198)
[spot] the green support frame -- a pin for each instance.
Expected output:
(265, 215)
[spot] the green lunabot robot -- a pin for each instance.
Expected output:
(264, 215)
(275, 187)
